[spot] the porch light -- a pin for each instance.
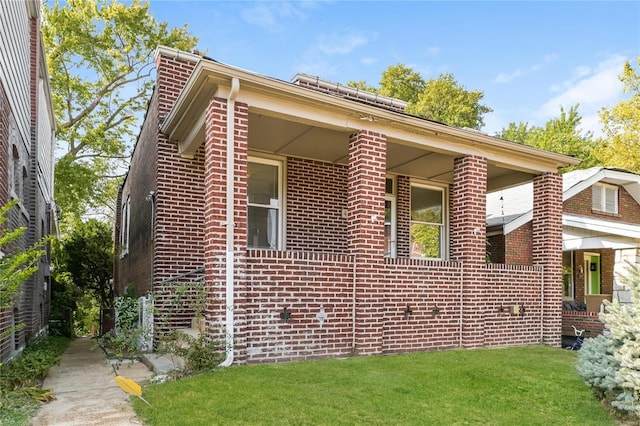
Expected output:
(435, 311)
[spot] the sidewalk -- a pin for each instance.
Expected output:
(85, 391)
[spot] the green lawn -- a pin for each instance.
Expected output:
(512, 386)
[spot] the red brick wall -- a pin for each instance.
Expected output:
(496, 248)
(403, 212)
(628, 208)
(582, 320)
(511, 285)
(547, 250)
(134, 269)
(366, 190)
(518, 245)
(306, 283)
(468, 241)
(217, 254)
(175, 247)
(468, 210)
(180, 186)
(316, 198)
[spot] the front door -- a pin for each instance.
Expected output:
(591, 273)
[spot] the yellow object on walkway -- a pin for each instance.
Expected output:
(130, 387)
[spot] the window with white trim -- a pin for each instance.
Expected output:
(264, 203)
(124, 227)
(428, 218)
(604, 198)
(390, 217)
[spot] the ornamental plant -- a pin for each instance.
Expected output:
(611, 363)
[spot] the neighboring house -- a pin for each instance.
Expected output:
(26, 160)
(600, 237)
(324, 221)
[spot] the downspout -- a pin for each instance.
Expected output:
(460, 337)
(542, 304)
(231, 106)
(354, 284)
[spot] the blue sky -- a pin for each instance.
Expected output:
(527, 57)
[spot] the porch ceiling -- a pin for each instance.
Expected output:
(287, 138)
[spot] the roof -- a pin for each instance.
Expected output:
(295, 120)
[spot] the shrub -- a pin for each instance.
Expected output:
(122, 341)
(611, 364)
(20, 380)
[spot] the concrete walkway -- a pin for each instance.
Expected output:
(85, 391)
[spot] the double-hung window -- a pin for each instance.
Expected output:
(390, 217)
(264, 203)
(605, 198)
(125, 218)
(428, 218)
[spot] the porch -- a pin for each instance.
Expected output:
(333, 227)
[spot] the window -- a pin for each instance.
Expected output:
(390, 218)
(15, 173)
(264, 204)
(427, 222)
(567, 275)
(605, 198)
(124, 227)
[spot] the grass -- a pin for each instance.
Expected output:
(525, 385)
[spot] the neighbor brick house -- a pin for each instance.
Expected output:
(26, 161)
(600, 238)
(327, 222)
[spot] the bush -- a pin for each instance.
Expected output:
(20, 380)
(611, 364)
(123, 340)
(199, 354)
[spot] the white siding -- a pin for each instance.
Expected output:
(14, 61)
(46, 142)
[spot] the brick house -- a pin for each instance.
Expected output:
(324, 221)
(26, 163)
(600, 236)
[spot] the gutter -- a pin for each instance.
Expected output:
(229, 223)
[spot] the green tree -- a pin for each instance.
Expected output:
(441, 99)
(444, 100)
(561, 134)
(100, 59)
(621, 125)
(87, 256)
(401, 82)
(16, 264)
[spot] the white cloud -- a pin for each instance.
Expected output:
(270, 15)
(592, 88)
(340, 44)
(506, 77)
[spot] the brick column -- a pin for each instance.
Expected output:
(547, 251)
(468, 242)
(365, 204)
(215, 163)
